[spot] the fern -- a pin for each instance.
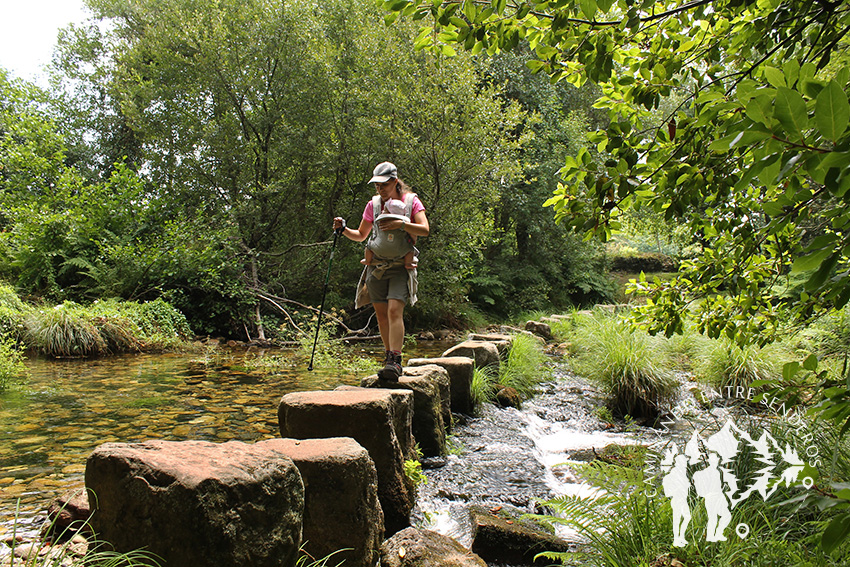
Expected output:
(622, 522)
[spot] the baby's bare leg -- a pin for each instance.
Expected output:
(410, 260)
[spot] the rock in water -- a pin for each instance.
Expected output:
(424, 548)
(195, 503)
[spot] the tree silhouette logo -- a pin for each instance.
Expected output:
(706, 466)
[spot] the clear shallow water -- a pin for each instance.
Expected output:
(50, 425)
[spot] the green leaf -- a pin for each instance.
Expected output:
(774, 76)
(811, 362)
(790, 110)
(760, 110)
(832, 111)
(835, 533)
(535, 66)
(588, 8)
(819, 277)
(789, 370)
(810, 261)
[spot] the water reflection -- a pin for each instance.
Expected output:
(49, 427)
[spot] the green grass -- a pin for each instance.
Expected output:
(522, 368)
(630, 523)
(483, 386)
(64, 553)
(726, 365)
(684, 352)
(628, 364)
(525, 366)
(63, 331)
(104, 327)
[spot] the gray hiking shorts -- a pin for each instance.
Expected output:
(392, 285)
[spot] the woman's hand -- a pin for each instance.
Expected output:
(339, 224)
(390, 224)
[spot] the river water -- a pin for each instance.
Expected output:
(508, 458)
(50, 424)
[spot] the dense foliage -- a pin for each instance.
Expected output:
(751, 155)
(198, 152)
(729, 117)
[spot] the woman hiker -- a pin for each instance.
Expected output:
(386, 283)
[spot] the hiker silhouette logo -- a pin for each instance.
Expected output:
(706, 466)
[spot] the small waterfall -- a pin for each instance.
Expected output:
(513, 458)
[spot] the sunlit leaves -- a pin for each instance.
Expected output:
(832, 111)
(755, 142)
(791, 112)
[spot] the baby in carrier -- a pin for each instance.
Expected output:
(394, 207)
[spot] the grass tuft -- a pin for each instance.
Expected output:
(62, 331)
(483, 386)
(525, 366)
(726, 365)
(626, 362)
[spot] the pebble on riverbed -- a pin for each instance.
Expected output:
(42, 551)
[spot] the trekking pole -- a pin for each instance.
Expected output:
(324, 293)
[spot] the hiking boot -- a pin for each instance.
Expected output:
(392, 368)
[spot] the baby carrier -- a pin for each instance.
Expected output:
(390, 244)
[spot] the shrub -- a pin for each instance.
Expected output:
(12, 311)
(626, 362)
(159, 318)
(129, 326)
(12, 368)
(104, 327)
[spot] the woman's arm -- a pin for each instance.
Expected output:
(417, 227)
(358, 235)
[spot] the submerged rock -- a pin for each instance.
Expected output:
(67, 515)
(508, 397)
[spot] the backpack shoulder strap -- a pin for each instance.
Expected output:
(408, 204)
(376, 207)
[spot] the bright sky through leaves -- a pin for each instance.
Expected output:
(28, 33)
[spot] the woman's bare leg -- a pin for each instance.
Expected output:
(381, 312)
(395, 316)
